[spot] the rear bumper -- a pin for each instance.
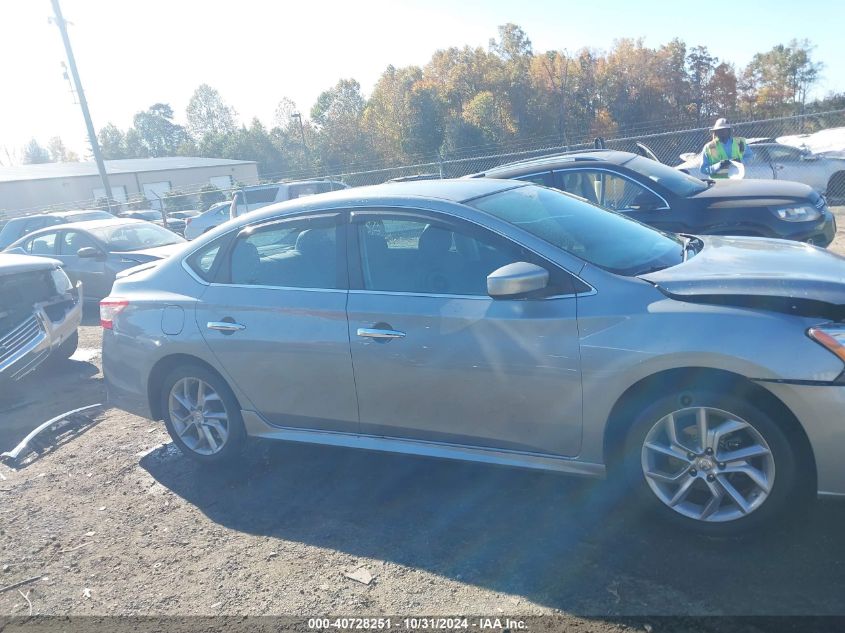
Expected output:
(125, 373)
(28, 345)
(821, 412)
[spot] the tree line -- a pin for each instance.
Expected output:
(469, 100)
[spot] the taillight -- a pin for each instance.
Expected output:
(109, 309)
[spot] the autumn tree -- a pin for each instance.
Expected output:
(338, 113)
(157, 132)
(59, 153)
(34, 153)
(777, 82)
(208, 114)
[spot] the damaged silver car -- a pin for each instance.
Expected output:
(40, 311)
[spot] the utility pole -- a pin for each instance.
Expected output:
(298, 117)
(83, 103)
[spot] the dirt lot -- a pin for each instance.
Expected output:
(115, 521)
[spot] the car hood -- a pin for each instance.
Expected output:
(751, 192)
(757, 272)
(12, 263)
(150, 254)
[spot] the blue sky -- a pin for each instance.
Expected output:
(133, 53)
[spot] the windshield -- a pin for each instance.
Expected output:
(601, 237)
(134, 237)
(675, 181)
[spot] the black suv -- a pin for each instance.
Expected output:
(670, 200)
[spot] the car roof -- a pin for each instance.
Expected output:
(11, 263)
(391, 193)
(64, 214)
(295, 182)
(87, 225)
(615, 157)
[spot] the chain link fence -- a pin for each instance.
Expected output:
(666, 144)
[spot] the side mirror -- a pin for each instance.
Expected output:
(88, 252)
(516, 280)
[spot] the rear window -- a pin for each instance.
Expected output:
(135, 236)
(310, 189)
(261, 196)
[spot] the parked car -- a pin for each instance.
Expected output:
(40, 311)
(95, 252)
(151, 215)
(258, 196)
(505, 323)
(16, 228)
(775, 161)
(667, 199)
(215, 215)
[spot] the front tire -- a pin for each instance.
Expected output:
(714, 463)
(202, 415)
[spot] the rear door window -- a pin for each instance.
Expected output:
(42, 244)
(296, 253)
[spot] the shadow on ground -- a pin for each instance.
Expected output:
(561, 542)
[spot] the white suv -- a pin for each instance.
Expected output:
(258, 196)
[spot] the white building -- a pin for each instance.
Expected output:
(29, 188)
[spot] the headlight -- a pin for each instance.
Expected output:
(831, 336)
(801, 213)
(61, 281)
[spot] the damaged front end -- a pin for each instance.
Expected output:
(40, 311)
(795, 306)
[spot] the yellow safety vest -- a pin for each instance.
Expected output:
(716, 153)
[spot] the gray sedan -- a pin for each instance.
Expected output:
(505, 323)
(94, 252)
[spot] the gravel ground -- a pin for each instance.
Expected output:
(115, 521)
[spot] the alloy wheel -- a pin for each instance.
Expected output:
(198, 416)
(708, 464)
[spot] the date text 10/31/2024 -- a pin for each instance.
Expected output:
(416, 624)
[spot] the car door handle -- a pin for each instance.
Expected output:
(225, 326)
(368, 332)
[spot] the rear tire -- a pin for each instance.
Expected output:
(708, 487)
(202, 415)
(836, 188)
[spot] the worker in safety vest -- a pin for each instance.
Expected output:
(724, 148)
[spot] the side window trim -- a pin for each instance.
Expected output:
(354, 265)
(561, 172)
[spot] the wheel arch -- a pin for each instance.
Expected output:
(836, 186)
(636, 397)
(162, 367)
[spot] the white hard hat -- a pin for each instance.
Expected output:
(721, 124)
